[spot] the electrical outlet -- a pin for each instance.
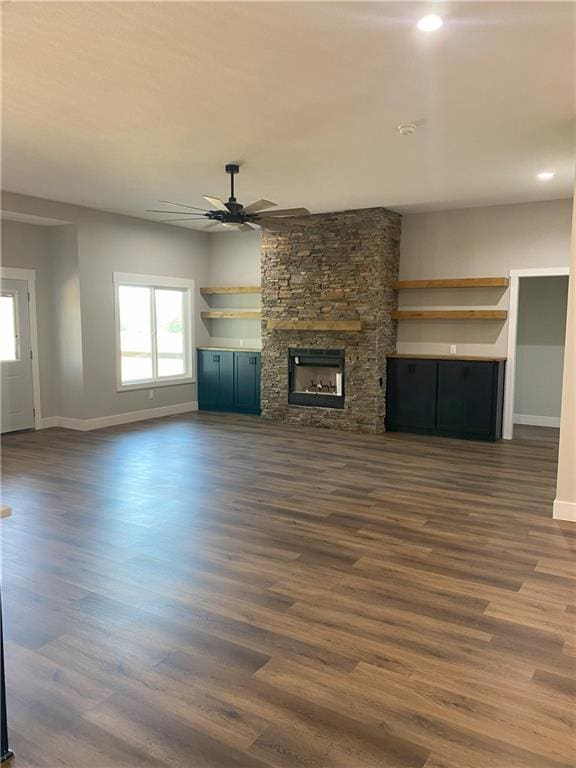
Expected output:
(452, 349)
(150, 394)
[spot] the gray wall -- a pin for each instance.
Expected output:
(29, 247)
(234, 259)
(78, 363)
(66, 316)
(109, 244)
(542, 308)
(475, 242)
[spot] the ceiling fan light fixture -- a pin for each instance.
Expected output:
(233, 214)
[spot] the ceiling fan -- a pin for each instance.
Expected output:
(234, 214)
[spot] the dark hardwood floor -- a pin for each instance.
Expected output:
(213, 591)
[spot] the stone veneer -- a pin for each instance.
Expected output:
(339, 267)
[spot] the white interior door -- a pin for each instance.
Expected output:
(15, 357)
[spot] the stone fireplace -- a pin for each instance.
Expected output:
(326, 289)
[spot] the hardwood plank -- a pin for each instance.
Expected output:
(217, 590)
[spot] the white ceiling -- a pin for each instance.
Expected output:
(117, 105)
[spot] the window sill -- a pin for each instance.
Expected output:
(155, 384)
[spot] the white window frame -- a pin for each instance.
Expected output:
(157, 281)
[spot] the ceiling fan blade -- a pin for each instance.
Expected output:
(289, 212)
(259, 205)
(267, 223)
(182, 205)
(246, 227)
(176, 213)
(185, 218)
(216, 202)
(212, 224)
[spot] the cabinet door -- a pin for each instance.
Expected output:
(411, 394)
(466, 398)
(215, 380)
(247, 382)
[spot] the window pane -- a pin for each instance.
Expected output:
(170, 332)
(135, 333)
(8, 345)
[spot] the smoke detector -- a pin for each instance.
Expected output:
(407, 129)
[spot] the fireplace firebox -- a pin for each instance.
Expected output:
(316, 377)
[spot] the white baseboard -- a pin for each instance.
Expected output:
(536, 421)
(85, 425)
(565, 510)
(49, 421)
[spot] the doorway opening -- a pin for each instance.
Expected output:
(538, 306)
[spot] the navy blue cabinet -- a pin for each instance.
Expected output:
(411, 387)
(454, 398)
(215, 380)
(228, 381)
(247, 382)
(468, 400)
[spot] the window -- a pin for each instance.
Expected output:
(154, 330)
(8, 324)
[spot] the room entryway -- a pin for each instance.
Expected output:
(16, 356)
(538, 307)
(542, 307)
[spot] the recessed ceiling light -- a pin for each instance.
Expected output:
(430, 23)
(545, 175)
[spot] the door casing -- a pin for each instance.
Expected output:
(29, 275)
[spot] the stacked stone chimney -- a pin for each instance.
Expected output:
(339, 266)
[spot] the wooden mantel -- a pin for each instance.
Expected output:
(315, 325)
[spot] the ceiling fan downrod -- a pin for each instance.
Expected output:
(232, 169)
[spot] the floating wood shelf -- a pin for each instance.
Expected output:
(231, 289)
(464, 282)
(449, 314)
(229, 314)
(315, 325)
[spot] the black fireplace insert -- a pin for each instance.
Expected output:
(316, 377)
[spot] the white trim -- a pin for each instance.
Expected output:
(537, 421)
(29, 275)
(15, 273)
(86, 425)
(167, 381)
(50, 421)
(565, 510)
(156, 281)
(514, 289)
(187, 285)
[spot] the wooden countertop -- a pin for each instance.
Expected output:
(479, 358)
(229, 349)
